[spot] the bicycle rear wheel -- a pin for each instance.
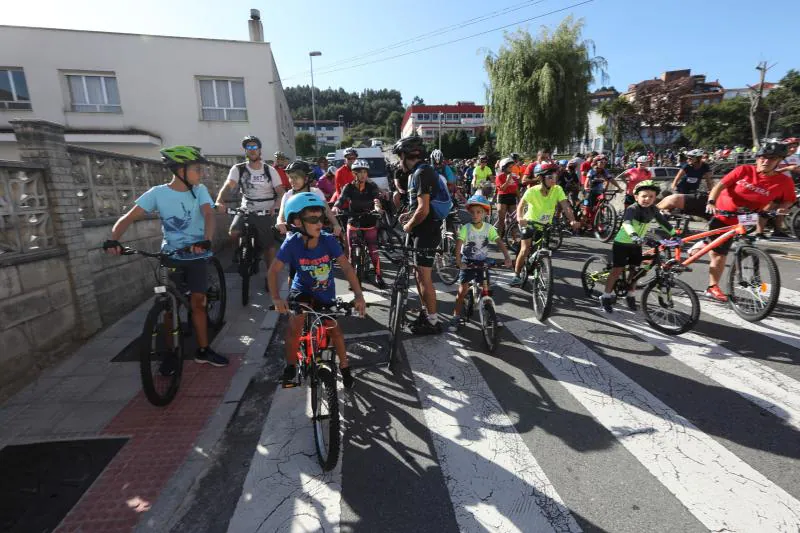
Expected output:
(396, 318)
(594, 275)
(670, 306)
(754, 284)
(556, 237)
(216, 294)
(357, 263)
(512, 237)
(605, 222)
(445, 262)
(794, 224)
(542, 287)
(488, 324)
(245, 268)
(325, 415)
(160, 359)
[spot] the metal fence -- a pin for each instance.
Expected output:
(25, 223)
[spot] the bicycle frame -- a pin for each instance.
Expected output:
(725, 234)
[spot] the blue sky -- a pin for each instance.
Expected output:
(639, 39)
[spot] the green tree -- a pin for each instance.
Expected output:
(417, 101)
(347, 142)
(393, 122)
(304, 144)
(621, 120)
(538, 90)
(725, 123)
(784, 102)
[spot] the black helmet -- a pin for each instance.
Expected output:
(773, 149)
(413, 144)
(251, 139)
(299, 166)
(514, 156)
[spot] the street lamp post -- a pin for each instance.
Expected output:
(311, 56)
(440, 130)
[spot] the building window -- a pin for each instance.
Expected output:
(222, 100)
(93, 93)
(13, 89)
(328, 128)
(330, 138)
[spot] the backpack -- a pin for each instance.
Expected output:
(441, 202)
(242, 168)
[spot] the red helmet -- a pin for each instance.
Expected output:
(547, 168)
(791, 140)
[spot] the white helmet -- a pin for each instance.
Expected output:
(505, 162)
(695, 153)
(642, 159)
(360, 163)
(437, 156)
(351, 151)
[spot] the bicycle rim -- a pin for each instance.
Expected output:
(489, 325)
(469, 304)
(794, 224)
(594, 275)
(605, 222)
(556, 238)
(513, 237)
(325, 416)
(445, 262)
(754, 284)
(160, 355)
(216, 294)
(670, 306)
(396, 313)
(542, 290)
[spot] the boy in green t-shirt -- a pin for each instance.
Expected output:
(473, 244)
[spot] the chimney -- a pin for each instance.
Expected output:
(255, 26)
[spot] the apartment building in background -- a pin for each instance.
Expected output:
(329, 132)
(135, 94)
(428, 120)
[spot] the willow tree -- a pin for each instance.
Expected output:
(538, 93)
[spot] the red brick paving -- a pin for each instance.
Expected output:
(160, 440)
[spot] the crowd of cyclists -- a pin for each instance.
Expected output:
(310, 214)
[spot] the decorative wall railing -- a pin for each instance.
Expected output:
(25, 224)
(108, 183)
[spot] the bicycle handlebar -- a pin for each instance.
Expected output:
(127, 250)
(745, 211)
(337, 308)
(410, 249)
(376, 214)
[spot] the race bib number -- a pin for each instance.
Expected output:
(257, 178)
(544, 219)
(692, 180)
(751, 219)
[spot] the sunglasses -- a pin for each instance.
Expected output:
(296, 176)
(251, 147)
(351, 158)
(314, 219)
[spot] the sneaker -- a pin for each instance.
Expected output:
(456, 323)
(169, 365)
(380, 283)
(780, 235)
(607, 303)
(347, 377)
(289, 376)
(696, 247)
(760, 237)
(631, 301)
(424, 327)
(211, 357)
(715, 293)
(516, 281)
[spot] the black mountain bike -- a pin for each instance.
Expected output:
(359, 253)
(248, 253)
(539, 269)
(161, 343)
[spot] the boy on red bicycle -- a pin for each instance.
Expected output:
(311, 252)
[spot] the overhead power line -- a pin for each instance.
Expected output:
(452, 41)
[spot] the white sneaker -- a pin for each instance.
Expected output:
(696, 247)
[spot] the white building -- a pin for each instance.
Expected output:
(134, 94)
(428, 120)
(329, 132)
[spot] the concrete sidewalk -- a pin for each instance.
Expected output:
(91, 396)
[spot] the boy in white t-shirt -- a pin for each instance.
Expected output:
(472, 245)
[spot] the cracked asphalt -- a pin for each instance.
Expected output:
(584, 423)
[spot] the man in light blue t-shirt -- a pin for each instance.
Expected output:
(187, 222)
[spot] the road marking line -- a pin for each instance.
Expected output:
(717, 487)
(755, 382)
(494, 481)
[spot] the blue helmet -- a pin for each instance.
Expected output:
(481, 200)
(301, 201)
(563, 162)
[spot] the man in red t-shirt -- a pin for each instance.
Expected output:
(586, 166)
(280, 165)
(507, 188)
(633, 176)
(752, 187)
(343, 174)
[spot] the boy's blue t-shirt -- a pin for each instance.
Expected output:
(314, 267)
(182, 221)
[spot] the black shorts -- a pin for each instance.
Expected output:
(626, 254)
(429, 239)
(300, 297)
(531, 231)
(191, 274)
(261, 226)
(466, 275)
(725, 247)
(507, 199)
(694, 204)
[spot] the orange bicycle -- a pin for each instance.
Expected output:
(754, 283)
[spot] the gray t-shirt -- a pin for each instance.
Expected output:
(258, 190)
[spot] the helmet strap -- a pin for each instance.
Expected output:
(185, 181)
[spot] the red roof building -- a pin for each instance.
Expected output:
(428, 120)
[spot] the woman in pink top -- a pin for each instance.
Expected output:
(634, 176)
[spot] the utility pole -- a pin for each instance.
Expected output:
(311, 56)
(440, 130)
(755, 101)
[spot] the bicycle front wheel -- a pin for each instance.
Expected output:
(794, 224)
(396, 314)
(216, 294)
(605, 222)
(594, 275)
(512, 237)
(670, 306)
(161, 354)
(754, 284)
(488, 324)
(542, 287)
(445, 262)
(325, 416)
(556, 237)
(245, 269)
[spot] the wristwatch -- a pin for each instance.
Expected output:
(711, 201)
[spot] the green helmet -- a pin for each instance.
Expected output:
(177, 156)
(646, 185)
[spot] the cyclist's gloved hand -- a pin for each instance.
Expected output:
(649, 241)
(635, 239)
(112, 247)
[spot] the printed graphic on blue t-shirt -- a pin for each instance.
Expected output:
(182, 221)
(314, 267)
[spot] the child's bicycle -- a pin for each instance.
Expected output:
(480, 294)
(317, 364)
(669, 304)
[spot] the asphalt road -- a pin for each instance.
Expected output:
(588, 422)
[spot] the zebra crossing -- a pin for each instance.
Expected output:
(556, 432)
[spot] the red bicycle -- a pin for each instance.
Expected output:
(602, 218)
